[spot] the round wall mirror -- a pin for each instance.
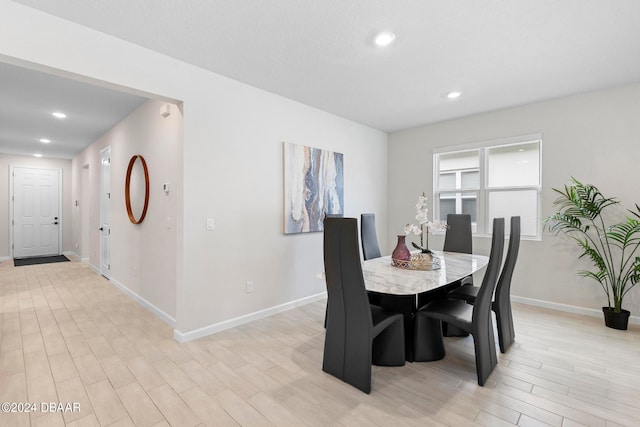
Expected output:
(136, 189)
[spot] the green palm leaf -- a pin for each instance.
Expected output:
(593, 254)
(625, 234)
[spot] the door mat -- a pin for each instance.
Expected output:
(19, 262)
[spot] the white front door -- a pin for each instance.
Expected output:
(105, 212)
(36, 212)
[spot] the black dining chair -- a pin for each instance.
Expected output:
(475, 319)
(370, 248)
(369, 238)
(358, 334)
(457, 238)
(502, 299)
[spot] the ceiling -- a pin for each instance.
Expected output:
(498, 53)
(30, 97)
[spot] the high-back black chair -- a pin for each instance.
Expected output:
(502, 300)
(457, 238)
(458, 235)
(475, 319)
(358, 334)
(370, 248)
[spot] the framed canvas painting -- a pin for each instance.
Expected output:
(313, 187)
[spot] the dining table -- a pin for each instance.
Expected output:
(405, 290)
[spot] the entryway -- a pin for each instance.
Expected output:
(36, 223)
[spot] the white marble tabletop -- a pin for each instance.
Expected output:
(381, 276)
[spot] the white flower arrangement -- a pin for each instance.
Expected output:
(423, 224)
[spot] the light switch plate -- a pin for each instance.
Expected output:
(210, 224)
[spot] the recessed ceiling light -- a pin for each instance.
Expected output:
(385, 38)
(45, 140)
(59, 115)
(454, 95)
(37, 155)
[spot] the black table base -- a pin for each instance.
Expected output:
(407, 305)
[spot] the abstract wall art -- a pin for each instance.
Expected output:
(313, 187)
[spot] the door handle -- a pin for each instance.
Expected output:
(55, 223)
(101, 228)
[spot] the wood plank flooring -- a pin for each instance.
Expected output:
(68, 336)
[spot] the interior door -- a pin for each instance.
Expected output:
(36, 212)
(105, 212)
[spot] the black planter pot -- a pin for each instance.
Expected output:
(616, 320)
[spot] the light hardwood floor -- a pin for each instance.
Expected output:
(68, 335)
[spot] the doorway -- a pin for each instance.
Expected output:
(84, 212)
(36, 223)
(105, 212)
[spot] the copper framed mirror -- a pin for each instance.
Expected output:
(136, 189)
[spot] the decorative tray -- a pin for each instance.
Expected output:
(418, 261)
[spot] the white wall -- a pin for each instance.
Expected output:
(594, 137)
(232, 163)
(143, 256)
(33, 162)
(234, 174)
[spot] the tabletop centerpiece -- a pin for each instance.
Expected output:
(424, 260)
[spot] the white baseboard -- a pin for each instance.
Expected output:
(146, 304)
(94, 268)
(5, 258)
(218, 327)
(567, 308)
(76, 256)
(71, 254)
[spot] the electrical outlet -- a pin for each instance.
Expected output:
(249, 287)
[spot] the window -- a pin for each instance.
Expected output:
(500, 179)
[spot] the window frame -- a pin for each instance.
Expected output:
(482, 227)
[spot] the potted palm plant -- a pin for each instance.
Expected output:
(613, 249)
